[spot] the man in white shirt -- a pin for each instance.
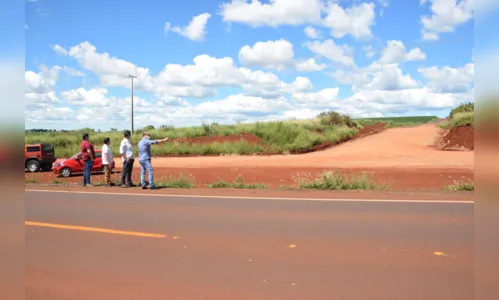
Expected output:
(107, 158)
(126, 152)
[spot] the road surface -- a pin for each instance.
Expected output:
(98, 246)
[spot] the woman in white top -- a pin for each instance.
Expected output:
(107, 158)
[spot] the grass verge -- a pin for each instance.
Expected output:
(237, 183)
(331, 180)
(459, 186)
(179, 182)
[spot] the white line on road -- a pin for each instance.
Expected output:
(257, 198)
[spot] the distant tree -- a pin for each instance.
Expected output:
(114, 129)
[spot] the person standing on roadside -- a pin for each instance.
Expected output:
(145, 159)
(88, 156)
(107, 161)
(126, 152)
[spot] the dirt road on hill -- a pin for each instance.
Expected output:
(405, 158)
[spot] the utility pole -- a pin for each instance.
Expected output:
(131, 76)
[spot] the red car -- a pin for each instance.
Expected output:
(67, 167)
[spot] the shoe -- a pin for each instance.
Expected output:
(124, 186)
(89, 185)
(153, 188)
(112, 184)
(144, 187)
(107, 185)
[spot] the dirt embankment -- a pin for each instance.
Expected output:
(461, 138)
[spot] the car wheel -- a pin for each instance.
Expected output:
(33, 166)
(66, 172)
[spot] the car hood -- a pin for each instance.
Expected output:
(60, 160)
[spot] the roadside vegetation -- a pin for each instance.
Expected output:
(458, 186)
(331, 180)
(273, 137)
(463, 115)
(237, 183)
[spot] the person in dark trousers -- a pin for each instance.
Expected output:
(88, 156)
(126, 152)
(145, 159)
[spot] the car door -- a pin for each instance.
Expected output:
(97, 162)
(77, 164)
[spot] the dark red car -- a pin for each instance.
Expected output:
(70, 166)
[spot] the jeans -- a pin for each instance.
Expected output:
(126, 174)
(86, 171)
(145, 165)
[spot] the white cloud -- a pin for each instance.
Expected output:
(324, 98)
(356, 20)
(449, 80)
(84, 97)
(396, 52)
(271, 54)
(390, 78)
(195, 30)
(341, 54)
(200, 79)
(41, 82)
(59, 50)
(255, 13)
(73, 72)
(309, 65)
(446, 16)
(311, 32)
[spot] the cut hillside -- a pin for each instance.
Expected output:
(459, 134)
(461, 138)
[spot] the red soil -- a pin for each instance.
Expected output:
(233, 138)
(396, 179)
(366, 131)
(459, 139)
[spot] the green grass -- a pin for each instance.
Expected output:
(460, 119)
(330, 180)
(31, 179)
(237, 183)
(460, 186)
(278, 137)
(179, 182)
(398, 121)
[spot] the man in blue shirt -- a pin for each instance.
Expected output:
(145, 159)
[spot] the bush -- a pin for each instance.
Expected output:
(331, 180)
(463, 108)
(332, 118)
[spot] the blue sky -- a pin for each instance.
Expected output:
(85, 87)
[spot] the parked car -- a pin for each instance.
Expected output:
(39, 156)
(75, 164)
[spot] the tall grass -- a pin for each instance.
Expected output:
(237, 183)
(331, 180)
(278, 137)
(398, 121)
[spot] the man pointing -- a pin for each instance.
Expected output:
(145, 159)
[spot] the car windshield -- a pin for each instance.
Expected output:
(75, 156)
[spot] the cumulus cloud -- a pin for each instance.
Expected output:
(311, 32)
(446, 16)
(277, 12)
(309, 65)
(396, 52)
(341, 54)
(449, 80)
(195, 30)
(271, 54)
(355, 20)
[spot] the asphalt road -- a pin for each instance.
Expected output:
(245, 249)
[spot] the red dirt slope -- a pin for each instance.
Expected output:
(459, 139)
